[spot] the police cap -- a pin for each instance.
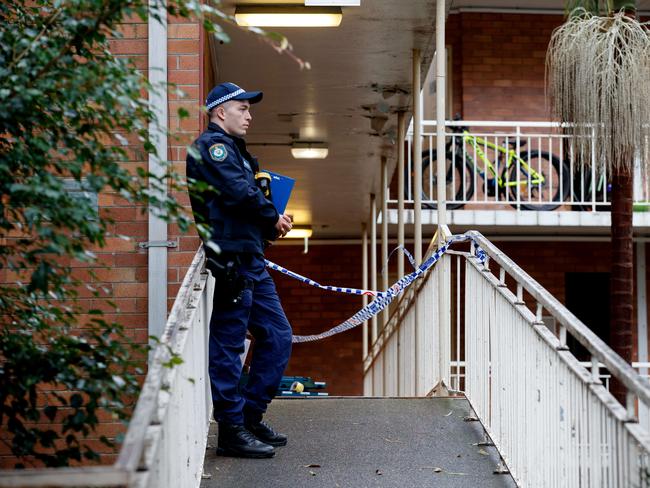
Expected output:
(229, 91)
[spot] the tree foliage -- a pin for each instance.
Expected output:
(598, 7)
(71, 113)
(598, 74)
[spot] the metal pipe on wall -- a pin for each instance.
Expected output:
(401, 118)
(157, 227)
(373, 261)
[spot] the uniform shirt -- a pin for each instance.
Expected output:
(239, 216)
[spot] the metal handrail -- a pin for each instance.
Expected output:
(403, 305)
(131, 464)
(145, 413)
(594, 344)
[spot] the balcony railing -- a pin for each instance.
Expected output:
(552, 419)
(522, 165)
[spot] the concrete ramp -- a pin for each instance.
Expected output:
(366, 442)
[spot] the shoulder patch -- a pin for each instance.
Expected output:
(218, 152)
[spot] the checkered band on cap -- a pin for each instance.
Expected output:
(225, 98)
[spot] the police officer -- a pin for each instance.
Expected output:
(240, 219)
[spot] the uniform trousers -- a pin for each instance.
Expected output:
(259, 311)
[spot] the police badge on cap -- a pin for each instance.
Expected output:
(229, 91)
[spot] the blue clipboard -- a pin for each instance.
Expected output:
(281, 187)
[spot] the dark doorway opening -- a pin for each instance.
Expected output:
(587, 296)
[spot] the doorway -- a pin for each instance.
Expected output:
(587, 297)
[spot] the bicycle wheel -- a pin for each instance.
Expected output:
(537, 195)
(459, 182)
(583, 189)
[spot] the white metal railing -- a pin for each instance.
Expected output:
(458, 372)
(552, 419)
(483, 168)
(405, 358)
(165, 443)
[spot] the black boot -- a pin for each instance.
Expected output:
(266, 434)
(236, 441)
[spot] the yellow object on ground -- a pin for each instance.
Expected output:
(297, 386)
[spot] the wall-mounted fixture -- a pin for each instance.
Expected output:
(287, 16)
(309, 150)
(301, 232)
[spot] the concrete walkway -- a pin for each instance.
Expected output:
(366, 442)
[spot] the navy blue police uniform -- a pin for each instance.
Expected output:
(240, 219)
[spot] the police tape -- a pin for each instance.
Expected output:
(381, 298)
(338, 289)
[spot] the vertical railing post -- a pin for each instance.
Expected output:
(384, 259)
(373, 261)
(417, 197)
(642, 323)
(401, 182)
(384, 234)
(444, 299)
(441, 170)
(364, 282)
(417, 158)
(401, 192)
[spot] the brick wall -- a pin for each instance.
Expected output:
(121, 271)
(185, 70)
(548, 263)
(336, 360)
(498, 64)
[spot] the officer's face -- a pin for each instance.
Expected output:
(236, 117)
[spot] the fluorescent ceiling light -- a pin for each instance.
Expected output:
(309, 150)
(299, 232)
(338, 3)
(287, 16)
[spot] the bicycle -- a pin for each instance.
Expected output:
(519, 182)
(583, 190)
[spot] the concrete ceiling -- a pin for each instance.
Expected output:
(360, 77)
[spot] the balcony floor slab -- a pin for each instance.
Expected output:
(525, 222)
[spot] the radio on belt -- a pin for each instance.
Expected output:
(263, 180)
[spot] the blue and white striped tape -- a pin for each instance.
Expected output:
(382, 298)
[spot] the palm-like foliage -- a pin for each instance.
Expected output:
(599, 81)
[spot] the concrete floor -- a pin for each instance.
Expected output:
(366, 442)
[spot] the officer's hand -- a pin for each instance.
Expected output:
(283, 225)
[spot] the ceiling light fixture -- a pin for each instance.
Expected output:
(309, 150)
(287, 16)
(300, 232)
